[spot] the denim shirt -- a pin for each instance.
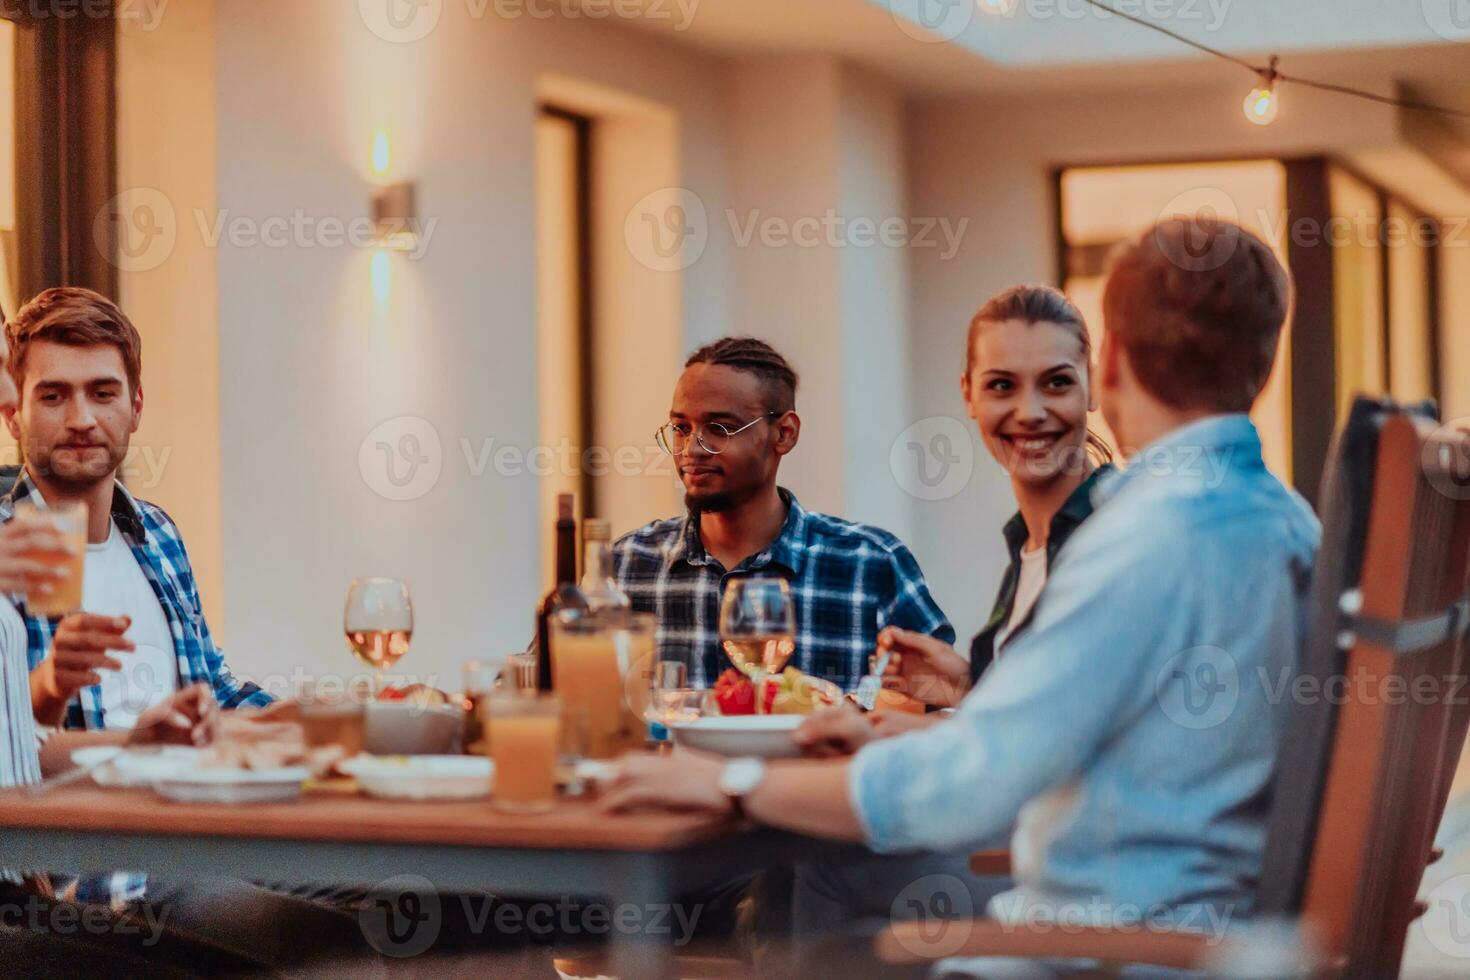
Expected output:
(1140, 713)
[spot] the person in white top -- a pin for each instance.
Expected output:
(1028, 386)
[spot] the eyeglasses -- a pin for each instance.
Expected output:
(713, 437)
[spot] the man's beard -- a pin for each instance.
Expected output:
(77, 478)
(713, 503)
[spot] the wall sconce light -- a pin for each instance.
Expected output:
(393, 217)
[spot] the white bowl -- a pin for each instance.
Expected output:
(764, 736)
(233, 785)
(421, 777)
(128, 768)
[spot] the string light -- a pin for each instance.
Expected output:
(1261, 103)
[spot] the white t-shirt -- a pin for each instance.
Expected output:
(114, 585)
(1028, 590)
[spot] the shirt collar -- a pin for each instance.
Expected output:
(788, 548)
(1074, 510)
(1199, 449)
(124, 508)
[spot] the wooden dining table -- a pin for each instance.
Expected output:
(644, 860)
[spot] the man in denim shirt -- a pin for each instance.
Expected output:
(1126, 741)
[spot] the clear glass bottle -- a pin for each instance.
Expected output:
(599, 584)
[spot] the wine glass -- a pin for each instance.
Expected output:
(671, 701)
(758, 629)
(378, 622)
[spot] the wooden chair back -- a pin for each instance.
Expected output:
(1364, 772)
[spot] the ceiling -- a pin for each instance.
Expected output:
(1060, 45)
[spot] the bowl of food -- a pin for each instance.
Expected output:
(416, 720)
(422, 777)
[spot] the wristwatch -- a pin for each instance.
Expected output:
(739, 779)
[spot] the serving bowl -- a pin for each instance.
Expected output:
(764, 736)
(412, 728)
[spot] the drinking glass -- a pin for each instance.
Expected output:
(758, 629)
(524, 731)
(333, 712)
(70, 521)
(378, 622)
(479, 682)
(519, 673)
(671, 701)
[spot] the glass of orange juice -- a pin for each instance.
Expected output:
(70, 521)
(524, 731)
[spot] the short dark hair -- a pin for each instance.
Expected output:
(1197, 304)
(754, 357)
(75, 317)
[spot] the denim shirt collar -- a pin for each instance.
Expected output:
(788, 549)
(124, 508)
(1074, 510)
(1201, 450)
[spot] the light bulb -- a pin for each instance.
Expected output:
(1001, 8)
(1261, 105)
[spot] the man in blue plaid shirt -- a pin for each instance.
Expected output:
(77, 363)
(732, 420)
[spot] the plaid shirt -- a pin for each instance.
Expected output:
(159, 549)
(849, 581)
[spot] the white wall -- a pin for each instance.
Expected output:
(312, 364)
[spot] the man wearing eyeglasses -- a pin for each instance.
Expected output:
(732, 420)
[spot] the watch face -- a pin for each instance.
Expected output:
(741, 776)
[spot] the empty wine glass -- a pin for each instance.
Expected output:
(758, 629)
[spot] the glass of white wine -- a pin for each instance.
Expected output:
(758, 629)
(378, 622)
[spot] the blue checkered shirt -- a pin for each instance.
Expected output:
(849, 581)
(159, 549)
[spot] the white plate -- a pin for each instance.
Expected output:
(233, 785)
(764, 736)
(129, 768)
(422, 777)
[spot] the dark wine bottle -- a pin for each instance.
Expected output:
(564, 595)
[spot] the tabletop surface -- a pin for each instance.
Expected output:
(338, 816)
